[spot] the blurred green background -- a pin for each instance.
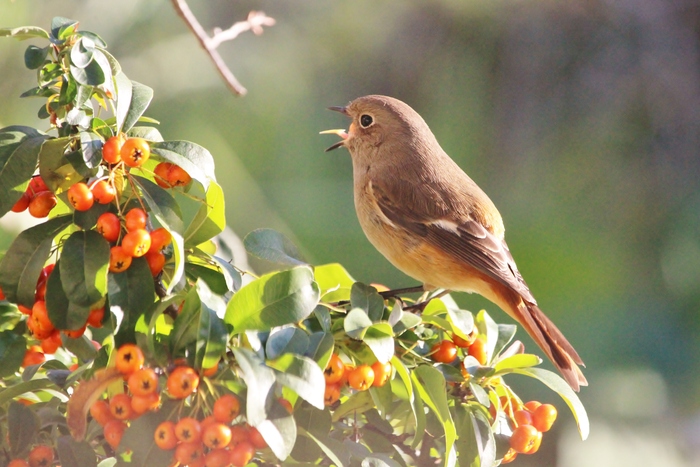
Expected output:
(580, 119)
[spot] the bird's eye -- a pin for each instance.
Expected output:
(366, 120)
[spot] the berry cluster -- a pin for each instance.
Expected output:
(43, 329)
(135, 243)
(37, 198)
(446, 350)
(40, 456)
(529, 421)
(338, 375)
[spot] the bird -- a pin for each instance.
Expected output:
(434, 223)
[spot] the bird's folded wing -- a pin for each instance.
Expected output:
(464, 238)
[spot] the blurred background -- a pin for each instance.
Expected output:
(580, 119)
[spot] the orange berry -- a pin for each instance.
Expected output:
(226, 408)
(509, 456)
(242, 453)
(96, 316)
(136, 243)
(113, 432)
(41, 205)
(216, 435)
(103, 192)
(80, 197)
(160, 238)
(101, 412)
(286, 404)
(75, 333)
(478, 350)
(164, 435)
(120, 406)
(522, 417)
(135, 219)
(331, 394)
(188, 453)
(239, 433)
(24, 310)
(18, 463)
(256, 438)
(142, 404)
(523, 438)
(461, 342)
(177, 176)
(52, 343)
(156, 262)
(217, 458)
(543, 417)
(108, 226)
(536, 444)
(22, 203)
(361, 378)
(382, 373)
(112, 148)
(33, 356)
(161, 174)
(135, 152)
(182, 382)
(444, 352)
(41, 456)
(334, 369)
(143, 382)
(188, 430)
(532, 405)
(129, 359)
(119, 260)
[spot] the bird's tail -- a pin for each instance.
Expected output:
(552, 342)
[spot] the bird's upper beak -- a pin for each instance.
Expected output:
(340, 132)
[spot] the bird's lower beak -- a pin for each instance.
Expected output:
(340, 132)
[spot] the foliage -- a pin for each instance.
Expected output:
(268, 342)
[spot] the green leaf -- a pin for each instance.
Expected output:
(124, 92)
(186, 326)
(63, 313)
(72, 452)
(270, 245)
(92, 75)
(212, 334)
(87, 219)
(209, 274)
(274, 299)
(15, 390)
(24, 32)
(34, 56)
(286, 340)
(84, 264)
(320, 347)
(561, 387)
(141, 96)
(260, 380)
(81, 53)
(22, 426)
(21, 265)
(303, 376)
(431, 386)
(334, 449)
(210, 219)
(516, 361)
(196, 160)
(231, 275)
(130, 293)
(62, 27)
(19, 153)
(55, 168)
(356, 323)
(146, 132)
(280, 432)
(462, 321)
(91, 146)
(476, 443)
(366, 298)
(143, 449)
(334, 281)
(487, 327)
(12, 348)
(379, 337)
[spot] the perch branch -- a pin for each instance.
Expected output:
(255, 22)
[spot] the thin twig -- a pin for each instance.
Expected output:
(255, 22)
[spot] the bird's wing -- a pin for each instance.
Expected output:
(463, 237)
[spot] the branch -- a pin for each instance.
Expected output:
(255, 22)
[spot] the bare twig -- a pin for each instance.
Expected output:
(255, 22)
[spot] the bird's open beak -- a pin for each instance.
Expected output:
(340, 132)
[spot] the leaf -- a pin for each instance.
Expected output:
(34, 56)
(462, 321)
(231, 275)
(366, 298)
(334, 449)
(81, 53)
(379, 337)
(21, 265)
(561, 387)
(91, 146)
(72, 452)
(303, 376)
(130, 293)
(83, 266)
(92, 75)
(487, 327)
(141, 96)
(280, 434)
(260, 380)
(62, 27)
(272, 246)
(22, 425)
(476, 443)
(19, 153)
(124, 93)
(186, 326)
(162, 204)
(212, 335)
(356, 323)
(63, 313)
(55, 168)
(139, 442)
(84, 396)
(24, 32)
(431, 386)
(196, 160)
(274, 299)
(12, 348)
(516, 361)
(210, 219)
(286, 340)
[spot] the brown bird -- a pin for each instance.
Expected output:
(431, 221)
